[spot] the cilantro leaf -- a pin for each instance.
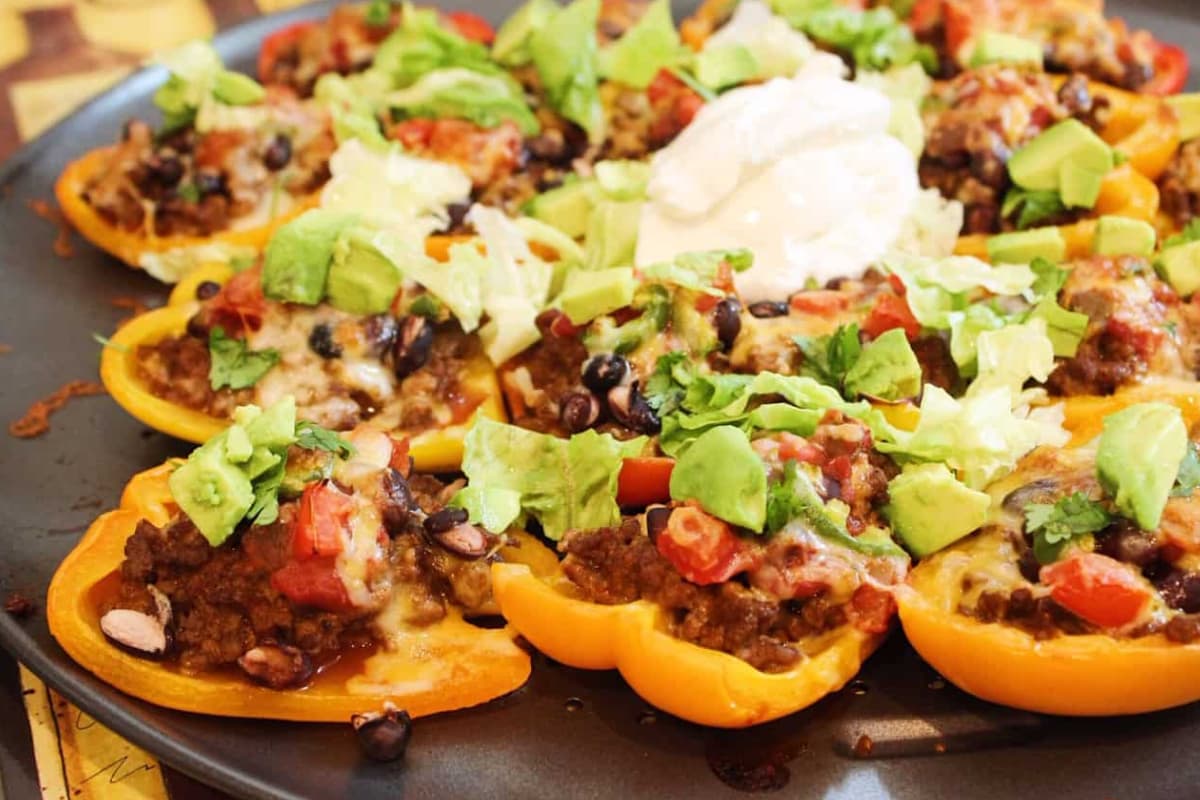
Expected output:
(828, 358)
(1034, 206)
(378, 12)
(1054, 525)
(265, 508)
(234, 364)
(667, 386)
(425, 305)
(312, 436)
(1188, 479)
(1050, 277)
(1190, 233)
(188, 192)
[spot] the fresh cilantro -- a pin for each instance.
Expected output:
(1054, 525)
(1034, 206)
(378, 12)
(667, 386)
(828, 358)
(188, 192)
(1119, 158)
(1172, 329)
(1190, 233)
(265, 508)
(312, 436)
(234, 364)
(1050, 277)
(425, 306)
(1188, 478)
(104, 341)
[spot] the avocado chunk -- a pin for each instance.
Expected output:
(238, 448)
(623, 180)
(236, 89)
(1037, 165)
(721, 472)
(1022, 247)
(1004, 48)
(1180, 267)
(588, 294)
(887, 369)
(297, 259)
(1078, 186)
(566, 207)
(612, 233)
(1187, 108)
(213, 493)
(1138, 459)
(930, 509)
(361, 279)
(274, 428)
(1117, 236)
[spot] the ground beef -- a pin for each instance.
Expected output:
(1040, 617)
(176, 369)
(937, 365)
(221, 597)
(552, 367)
(855, 473)
(440, 381)
(344, 43)
(1179, 185)
(620, 565)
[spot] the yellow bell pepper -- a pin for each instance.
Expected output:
(1084, 416)
(704, 686)
(448, 665)
(436, 450)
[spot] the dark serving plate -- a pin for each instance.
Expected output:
(568, 732)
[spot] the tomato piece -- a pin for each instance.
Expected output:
(400, 460)
(702, 548)
(643, 481)
(872, 609)
(1099, 589)
(240, 305)
(797, 448)
(1170, 70)
(277, 42)
(960, 26)
(824, 302)
(891, 311)
(313, 583)
(414, 133)
(840, 468)
(321, 526)
(562, 327)
(924, 15)
(472, 26)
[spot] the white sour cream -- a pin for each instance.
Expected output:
(801, 171)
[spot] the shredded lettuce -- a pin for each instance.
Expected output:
(352, 101)
(875, 39)
(564, 52)
(936, 287)
(199, 80)
(564, 484)
(754, 44)
(485, 99)
(421, 44)
(511, 46)
(698, 270)
(652, 44)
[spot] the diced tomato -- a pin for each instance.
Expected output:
(562, 327)
(675, 105)
(472, 26)
(838, 468)
(959, 22)
(797, 448)
(643, 481)
(276, 43)
(322, 524)
(823, 302)
(891, 311)
(400, 461)
(663, 86)
(703, 548)
(414, 133)
(872, 609)
(1099, 589)
(313, 583)
(240, 304)
(1170, 70)
(924, 15)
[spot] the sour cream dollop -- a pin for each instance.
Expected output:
(801, 171)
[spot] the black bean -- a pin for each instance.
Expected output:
(444, 520)
(165, 170)
(728, 321)
(380, 332)
(656, 521)
(278, 152)
(413, 345)
(765, 309)
(465, 540)
(277, 666)
(1029, 566)
(579, 411)
(384, 735)
(549, 146)
(396, 503)
(207, 289)
(321, 342)
(604, 371)
(631, 410)
(196, 328)
(458, 214)
(1181, 590)
(1128, 544)
(209, 182)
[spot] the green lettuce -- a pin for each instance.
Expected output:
(352, 102)
(485, 99)
(875, 39)
(698, 270)
(421, 44)
(198, 79)
(565, 484)
(755, 44)
(886, 369)
(564, 53)
(650, 45)
(511, 46)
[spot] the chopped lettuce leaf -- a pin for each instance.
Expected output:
(564, 484)
(698, 270)
(887, 369)
(1033, 207)
(605, 336)
(1012, 355)
(564, 53)
(199, 79)
(828, 358)
(718, 68)
(511, 46)
(794, 499)
(907, 87)
(875, 38)
(933, 226)
(421, 44)
(485, 99)
(352, 101)
(722, 473)
(935, 287)
(650, 45)
(965, 328)
(754, 44)
(1065, 328)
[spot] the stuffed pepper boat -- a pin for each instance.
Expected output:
(285, 572)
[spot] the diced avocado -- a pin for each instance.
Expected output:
(1187, 108)
(623, 180)
(588, 294)
(235, 89)
(566, 207)
(213, 493)
(1022, 247)
(721, 472)
(1117, 236)
(361, 279)
(260, 462)
(929, 508)
(1138, 459)
(1037, 165)
(238, 448)
(689, 324)
(994, 47)
(1078, 186)
(297, 259)
(274, 428)
(612, 233)
(1180, 267)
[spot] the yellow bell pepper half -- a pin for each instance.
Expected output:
(436, 450)
(448, 665)
(704, 686)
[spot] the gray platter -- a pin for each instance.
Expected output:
(930, 741)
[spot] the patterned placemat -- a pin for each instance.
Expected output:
(54, 55)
